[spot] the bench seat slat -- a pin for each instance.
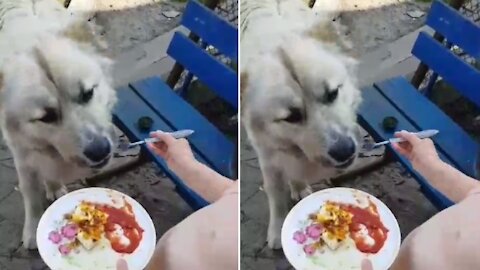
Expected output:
(371, 113)
(452, 140)
(214, 147)
(129, 108)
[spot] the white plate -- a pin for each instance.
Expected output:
(98, 258)
(347, 256)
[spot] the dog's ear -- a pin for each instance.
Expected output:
(86, 36)
(351, 63)
(243, 85)
(289, 65)
(79, 32)
(43, 63)
(106, 64)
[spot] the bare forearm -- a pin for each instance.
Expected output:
(205, 181)
(449, 181)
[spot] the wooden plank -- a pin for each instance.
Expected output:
(455, 27)
(455, 143)
(209, 142)
(217, 76)
(460, 75)
(128, 109)
(213, 29)
(370, 115)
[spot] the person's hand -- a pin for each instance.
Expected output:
(177, 153)
(367, 264)
(420, 152)
(122, 265)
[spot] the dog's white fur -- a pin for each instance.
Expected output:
(292, 57)
(48, 63)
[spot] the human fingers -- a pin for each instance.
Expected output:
(408, 137)
(429, 142)
(159, 149)
(403, 150)
(122, 264)
(367, 264)
(167, 138)
(184, 143)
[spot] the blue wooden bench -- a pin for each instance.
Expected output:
(152, 98)
(414, 111)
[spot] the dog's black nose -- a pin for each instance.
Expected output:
(343, 149)
(98, 149)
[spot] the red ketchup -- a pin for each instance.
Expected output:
(124, 218)
(371, 220)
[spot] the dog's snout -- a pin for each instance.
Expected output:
(98, 149)
(343, 149)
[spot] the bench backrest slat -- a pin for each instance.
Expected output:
(455, 27)
(214, 31)
(209, 70)
(459, 74)
(457, 30)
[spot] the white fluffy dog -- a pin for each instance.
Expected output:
(299, 98)
(55, 101)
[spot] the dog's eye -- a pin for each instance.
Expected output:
(331, 95)
(295, 116)
(50, 116)
(86, 95)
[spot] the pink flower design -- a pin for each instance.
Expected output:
(55, 237)
(314, 231)
(310, 249)
(64, 249)
(299, 237)
(69, 231)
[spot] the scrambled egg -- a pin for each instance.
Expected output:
(91, 223)
(336, 222)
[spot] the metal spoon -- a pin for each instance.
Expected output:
(124, 146)
(421, 134)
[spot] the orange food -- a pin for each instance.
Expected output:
(118, 225)
(91, 223)
(363, 225)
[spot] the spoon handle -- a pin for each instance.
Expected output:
(421, 135)
(176, 134)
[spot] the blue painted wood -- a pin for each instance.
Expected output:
(129, 108)
(212, 28)
(217, 76)
(371, 113)
(455, 27)
(169, 111)
(460, 75)
(210, 143)
(452, 140)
